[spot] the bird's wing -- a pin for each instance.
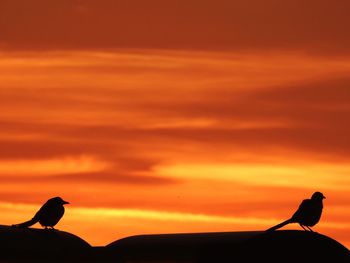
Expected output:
(304, 209)
(41, 211)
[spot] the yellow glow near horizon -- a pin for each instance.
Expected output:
(70, 165)
(328, 176)
(80, 219)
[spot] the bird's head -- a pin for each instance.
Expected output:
(59, 200)
(318, 196)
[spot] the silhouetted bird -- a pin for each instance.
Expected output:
(308, 213)
(48, 215)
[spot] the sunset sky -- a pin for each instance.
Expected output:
(175, 116)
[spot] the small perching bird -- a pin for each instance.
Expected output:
(308, 213)
(48, 215)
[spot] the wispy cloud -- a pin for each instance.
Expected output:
(184, 136)
(317, 175)
(49, 167)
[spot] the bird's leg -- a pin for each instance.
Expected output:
(310, 229)
(303, 227)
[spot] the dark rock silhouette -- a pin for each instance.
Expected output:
(296, 246)
(278, 246)
(41, 245)
(308, 213)
(48, 215)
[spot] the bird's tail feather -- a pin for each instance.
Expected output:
(279, 225)
(27, 223)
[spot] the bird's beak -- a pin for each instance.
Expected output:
(65, 202)
(323, 197)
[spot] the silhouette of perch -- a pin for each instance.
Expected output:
(248, 246)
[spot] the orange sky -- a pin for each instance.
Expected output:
(223, 120)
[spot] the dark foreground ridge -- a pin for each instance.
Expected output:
(39, 245)
(278, 246)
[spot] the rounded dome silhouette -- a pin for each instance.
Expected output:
(277, 246)
(297, 246)
(39, 244)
